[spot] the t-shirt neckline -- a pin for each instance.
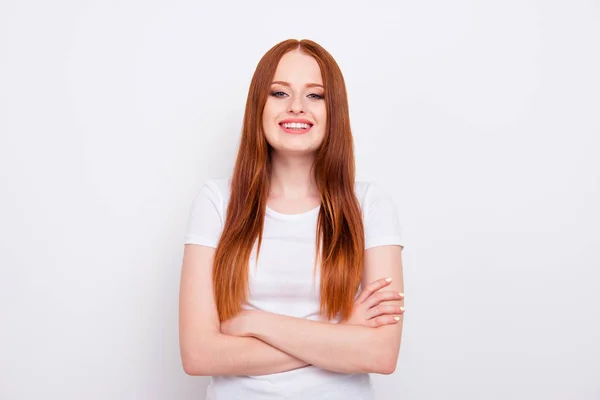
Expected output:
(305, 214)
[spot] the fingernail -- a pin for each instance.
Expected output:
(401, 294)
(397, 318)
(388, 279)
(402, 309)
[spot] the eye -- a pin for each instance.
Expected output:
(278, 94)
(316, 96)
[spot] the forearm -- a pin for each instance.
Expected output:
(335, 347)
(231, 355)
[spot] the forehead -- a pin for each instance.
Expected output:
(298, 68)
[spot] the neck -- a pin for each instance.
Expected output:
(291, 177)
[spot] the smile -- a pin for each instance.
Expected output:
(295, 127)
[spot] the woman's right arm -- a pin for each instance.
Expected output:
(204, 349)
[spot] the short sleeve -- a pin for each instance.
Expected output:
(381, 220)
(205, 221)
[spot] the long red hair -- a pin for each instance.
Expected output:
(340, 232)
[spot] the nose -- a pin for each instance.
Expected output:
(296, 105)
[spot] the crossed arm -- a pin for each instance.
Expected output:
(258, 343)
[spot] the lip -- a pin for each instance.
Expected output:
(296, 131)
(300, 120)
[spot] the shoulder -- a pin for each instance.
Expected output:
(370, 193)
(380, 215)
(212, 197)
(217, 190)
(218, 187)
(207, 214)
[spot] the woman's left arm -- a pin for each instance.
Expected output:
(337, 347)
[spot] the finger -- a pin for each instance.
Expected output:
(383, 309)
(387, 295)
(384, 320)
(371, 288)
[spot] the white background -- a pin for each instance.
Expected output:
(480, 117)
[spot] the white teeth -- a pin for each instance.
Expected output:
(295, 125)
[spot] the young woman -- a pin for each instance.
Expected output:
(291, 284)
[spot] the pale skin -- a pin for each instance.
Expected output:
(257, 342)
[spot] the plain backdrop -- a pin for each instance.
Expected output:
(481, 118)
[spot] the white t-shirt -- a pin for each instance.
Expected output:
(282, 283)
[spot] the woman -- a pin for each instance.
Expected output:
(275, 256)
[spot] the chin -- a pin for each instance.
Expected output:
(297, 151)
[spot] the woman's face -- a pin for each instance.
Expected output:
(295, 116)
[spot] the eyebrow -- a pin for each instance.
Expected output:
(307, 85)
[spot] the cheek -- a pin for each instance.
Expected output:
(270, 113)
(266, 112)
(320, 111)
(267, 118)
(321, 116)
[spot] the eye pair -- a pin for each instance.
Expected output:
(314, 96)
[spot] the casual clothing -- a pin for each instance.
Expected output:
(282, 283)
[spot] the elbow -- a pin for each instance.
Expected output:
(385, 354)
(387, 367)
(383, 363)
(189, 368)
(196, 356)
(195, 368)
(194, 365)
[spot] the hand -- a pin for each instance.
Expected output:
(368, 310)
(240, 324)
